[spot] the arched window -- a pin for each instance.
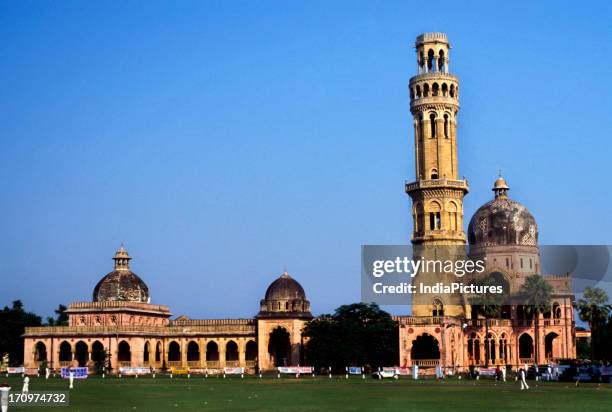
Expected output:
(435, 89)
(124, 354)
(251, 351)
(438, 308)
(503, 348)
(40, 352)
(441, 60)
(421, 135)
(446, 126)
(426, 90)
(444, 89)
(212, 351)
(490, 347)
(174, 352)
(65, 353)
(556, 311)
(231, 351)
(434, 173)
(435, 222)
(432, 120)
(193, 351)
(452, 90)
(430, 59)
(474, 349)
(418, 92)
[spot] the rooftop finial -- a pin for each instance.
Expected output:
(501, 188)
(122, 259)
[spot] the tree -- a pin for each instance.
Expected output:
(61, 319)
(536, 295)
(13, 322)
(355, 335)
(593, 308)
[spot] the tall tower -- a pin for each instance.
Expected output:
(437, 193)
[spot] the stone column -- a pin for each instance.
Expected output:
(165, 352)
(203, 352)
(152, 346)
(222, 344)
(241, 353)
(183, 353)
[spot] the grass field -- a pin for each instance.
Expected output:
(321, 393)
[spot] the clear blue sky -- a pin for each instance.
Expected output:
(221, 141)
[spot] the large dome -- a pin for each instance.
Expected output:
(285, 297)
(285, 287)
(502, 221)
(121, 284)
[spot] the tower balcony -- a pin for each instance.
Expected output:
(437, 184)
(435, 101)
(434, 76)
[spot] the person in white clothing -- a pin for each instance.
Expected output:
(26, 385)
(4, 392)
(523, 377)
(47, 373)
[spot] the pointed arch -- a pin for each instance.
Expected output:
(212, 351)
(193, 351)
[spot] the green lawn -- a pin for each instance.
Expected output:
(321, 393)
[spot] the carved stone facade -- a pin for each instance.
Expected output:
(135, 333)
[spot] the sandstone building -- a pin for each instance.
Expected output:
(444, 330)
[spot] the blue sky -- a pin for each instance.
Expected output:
(223, 141)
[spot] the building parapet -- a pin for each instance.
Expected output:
(432, 36)
(207, 322)
(427, 320)
(210, 329)
(80, 306)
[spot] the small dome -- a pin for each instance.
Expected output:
(285, 287)
(500, 183)
(121, 284)
(502, 221)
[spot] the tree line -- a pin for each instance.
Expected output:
(14, 320)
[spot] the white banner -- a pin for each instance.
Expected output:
(295, 369)
(233, 371)
(19, 369)
(134, 371)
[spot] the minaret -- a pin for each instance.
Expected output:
(437, 194)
